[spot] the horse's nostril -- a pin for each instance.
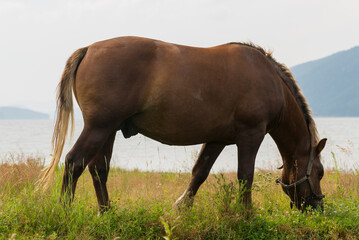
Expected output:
(319, 205)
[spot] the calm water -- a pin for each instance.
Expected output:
(139, 152)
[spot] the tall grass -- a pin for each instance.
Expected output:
(142, 207)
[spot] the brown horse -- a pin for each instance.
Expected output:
(229, 94)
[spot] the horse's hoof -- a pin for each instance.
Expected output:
(183, 202)
(102, 210)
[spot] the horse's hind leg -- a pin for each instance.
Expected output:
(200, 171)
(99, 167)
(86, 147)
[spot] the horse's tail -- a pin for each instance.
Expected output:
(64, 113)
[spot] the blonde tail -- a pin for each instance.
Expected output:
(64, 114)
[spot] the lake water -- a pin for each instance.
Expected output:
(138, 152)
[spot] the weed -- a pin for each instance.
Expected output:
(169, 229)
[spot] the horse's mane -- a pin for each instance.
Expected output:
(292, 84)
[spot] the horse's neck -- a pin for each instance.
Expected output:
(292, 136)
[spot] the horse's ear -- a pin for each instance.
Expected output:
(321, 145)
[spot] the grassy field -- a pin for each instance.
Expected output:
(142, 207)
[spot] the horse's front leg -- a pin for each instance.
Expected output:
(200, 171)
(248, 144)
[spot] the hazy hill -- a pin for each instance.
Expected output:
(20, 113)
(331, 84)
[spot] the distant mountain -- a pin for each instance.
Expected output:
(20, 113)
(331, 84)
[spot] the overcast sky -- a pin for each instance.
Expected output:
(37, 36)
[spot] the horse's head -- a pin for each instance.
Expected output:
(302, 182)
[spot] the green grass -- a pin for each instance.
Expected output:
(142, 208)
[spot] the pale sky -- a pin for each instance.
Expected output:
(37, 36)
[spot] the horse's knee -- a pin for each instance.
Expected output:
(69, 162)
(73, 165)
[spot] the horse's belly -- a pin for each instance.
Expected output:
(177, 130)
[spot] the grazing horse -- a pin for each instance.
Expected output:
(234, 93)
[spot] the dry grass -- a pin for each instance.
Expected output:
(17, 169)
